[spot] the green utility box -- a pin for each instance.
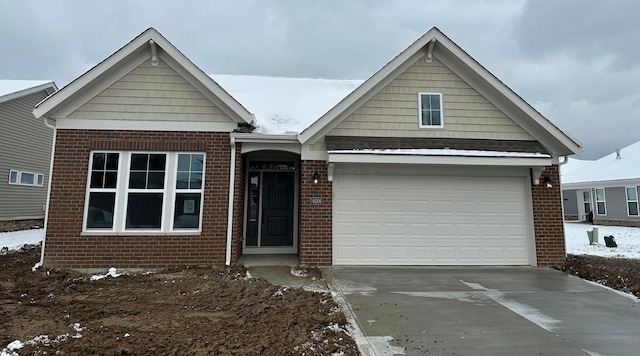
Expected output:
(593, 236)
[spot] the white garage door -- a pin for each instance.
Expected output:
(430, 220)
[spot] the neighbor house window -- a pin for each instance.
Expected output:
(430, 109)
(13, 177)
(601, 206)
(632, 201)
(26, 178)
(144, 191)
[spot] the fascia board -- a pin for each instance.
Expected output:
(602, 184)
(204, 83)
(145, 125)
(367, 89)
(138, 46)
(70, 90)
(259, 138)
(483, 81)
(90, 91)
(48, 87)
(441, 160)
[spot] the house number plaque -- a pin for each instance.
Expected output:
(317, 201)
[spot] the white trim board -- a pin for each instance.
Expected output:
(144, 125)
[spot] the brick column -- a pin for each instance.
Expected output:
(238, 207)
(315, 223)
(547, 220)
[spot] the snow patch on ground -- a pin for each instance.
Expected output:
(113, 272)
(45, 340)
(627, 239)
(14, 240)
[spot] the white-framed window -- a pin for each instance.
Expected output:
(130, 191)
(431, 113)
(601, 203)
(26, 178)
(632, 201)
(13, 176)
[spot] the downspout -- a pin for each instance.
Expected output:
(46, 208)
(232, 173)
(565, 161)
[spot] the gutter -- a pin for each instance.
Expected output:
(232, 173)
(46, 210)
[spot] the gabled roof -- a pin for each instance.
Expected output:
(608, 168)
(13, 89)
(434, 43)
(117, 65)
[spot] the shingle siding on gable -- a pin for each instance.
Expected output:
(394, 110)
(151, 93)
(25, 145)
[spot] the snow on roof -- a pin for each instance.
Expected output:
(442, 152)
(572, 165)
(9, 86)
(609, 167)
(285, 105)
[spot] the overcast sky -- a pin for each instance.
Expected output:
(576, 61)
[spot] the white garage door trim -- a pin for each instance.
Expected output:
(432, 216)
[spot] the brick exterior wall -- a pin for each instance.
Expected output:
(547, 220)
(65, 247)
(315, 222)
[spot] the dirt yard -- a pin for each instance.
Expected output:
(193, 311)
(618, 273)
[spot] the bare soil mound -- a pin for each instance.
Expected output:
(189, 310)
(618, 273)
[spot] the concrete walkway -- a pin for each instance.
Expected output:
(484, 311)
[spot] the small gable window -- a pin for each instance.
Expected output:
(430, 110)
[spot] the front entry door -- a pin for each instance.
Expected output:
(270, 211)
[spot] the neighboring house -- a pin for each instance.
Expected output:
(569, 198)
(25, 154)
(607, 187)
(431, 161)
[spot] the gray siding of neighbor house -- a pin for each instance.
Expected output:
(570, 203)
(616, 201)
(25, 145)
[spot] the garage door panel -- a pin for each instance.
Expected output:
(430, 220)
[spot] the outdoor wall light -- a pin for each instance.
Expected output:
(316, 178)
(547, 180)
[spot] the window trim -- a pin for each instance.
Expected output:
(635, 188)
(17, 180)
(604, 201)
(38, 178)
(122, 191)
(420, 124)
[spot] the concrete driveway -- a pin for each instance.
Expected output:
(484, 311)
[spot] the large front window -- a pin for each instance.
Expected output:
(144, 191)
